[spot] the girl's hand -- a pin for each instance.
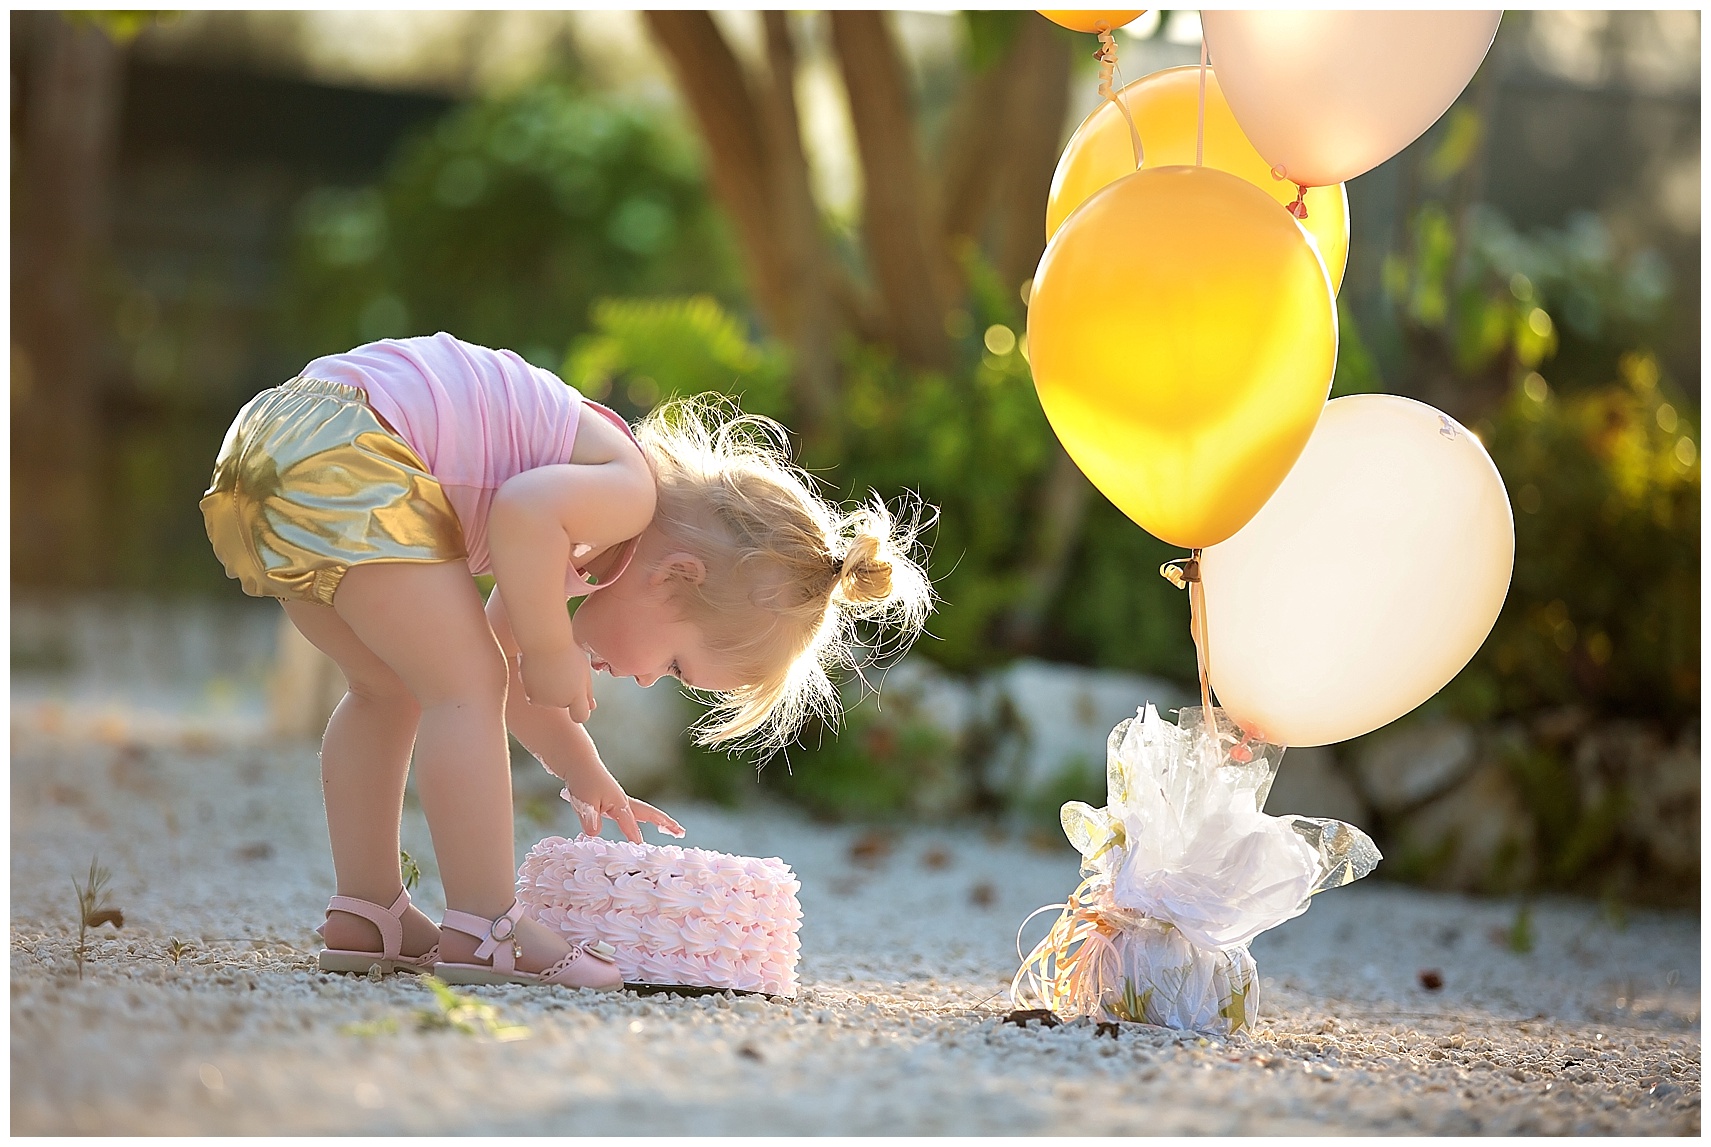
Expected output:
(603, 798)
(559, 679)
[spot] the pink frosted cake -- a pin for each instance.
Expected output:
(675, 915)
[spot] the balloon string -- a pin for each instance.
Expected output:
(1200, 124)
(1107, 57)
(1202, 643)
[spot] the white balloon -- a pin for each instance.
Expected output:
(1328, 95)
(1367, 582)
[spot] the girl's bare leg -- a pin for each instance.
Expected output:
(365, 757)
(427, 624)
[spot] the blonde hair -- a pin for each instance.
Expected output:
(792, 581)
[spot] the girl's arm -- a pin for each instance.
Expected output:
(536, 519)
(565, 749)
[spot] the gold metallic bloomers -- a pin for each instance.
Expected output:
(309, 482)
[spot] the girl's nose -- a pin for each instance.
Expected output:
(646, 680)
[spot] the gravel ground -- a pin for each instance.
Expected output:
(908, 944)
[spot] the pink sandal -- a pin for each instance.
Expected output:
(588, 965)
(389, 959)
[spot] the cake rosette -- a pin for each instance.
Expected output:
(681, 916)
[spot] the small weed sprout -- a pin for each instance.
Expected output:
(93, 908)
(1521, 932)
(177, 949)
(465, 1014)
(408, 869)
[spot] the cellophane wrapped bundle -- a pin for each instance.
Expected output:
(1180, 871)
(680, 916)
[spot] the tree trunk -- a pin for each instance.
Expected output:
(895, 216)
(1039, 104)
(718, 95)
(803, 247)
(60, 227)
(760, 174)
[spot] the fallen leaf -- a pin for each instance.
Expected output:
(1021, 1017)
(870, 847)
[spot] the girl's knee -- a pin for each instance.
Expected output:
(383, 689)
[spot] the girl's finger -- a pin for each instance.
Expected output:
(626, 820)
(647, 812)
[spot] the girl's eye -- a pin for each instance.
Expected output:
(676, 672)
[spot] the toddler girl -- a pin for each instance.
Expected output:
(366, 492)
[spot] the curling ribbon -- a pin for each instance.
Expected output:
(1073, 968)
(1107, 57)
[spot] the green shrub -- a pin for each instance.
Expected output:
(1598, 456)
(649, 349)
(1604, 607)
(503, 224)
(880, 764)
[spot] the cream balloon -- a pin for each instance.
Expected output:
(1328, 95)
(1368, 580)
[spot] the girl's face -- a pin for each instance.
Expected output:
(632, 628)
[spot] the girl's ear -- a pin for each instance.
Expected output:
(685, 566)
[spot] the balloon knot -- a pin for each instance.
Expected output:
(1180, 571)
(1106, 54)
(1299, 207)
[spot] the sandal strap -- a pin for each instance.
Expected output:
(390, 921)
(497, 936)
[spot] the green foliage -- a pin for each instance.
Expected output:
(881, 764)
(1357, 372)
(408, 869)
(1499, 301)
(452, 1011)
(122, 27)
(1080, 779)
(502, 225)
(1115, 611)
(1519, 935)
(1599, 458)
(1604, 606)
(987, 35)
(685, 346)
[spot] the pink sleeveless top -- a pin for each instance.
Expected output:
(476, 417)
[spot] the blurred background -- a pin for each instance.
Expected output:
(835, 216)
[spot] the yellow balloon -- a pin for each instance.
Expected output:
(1165, 107)
(1182, 334)
(1089, 21)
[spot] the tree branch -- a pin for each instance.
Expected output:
(718, 95)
